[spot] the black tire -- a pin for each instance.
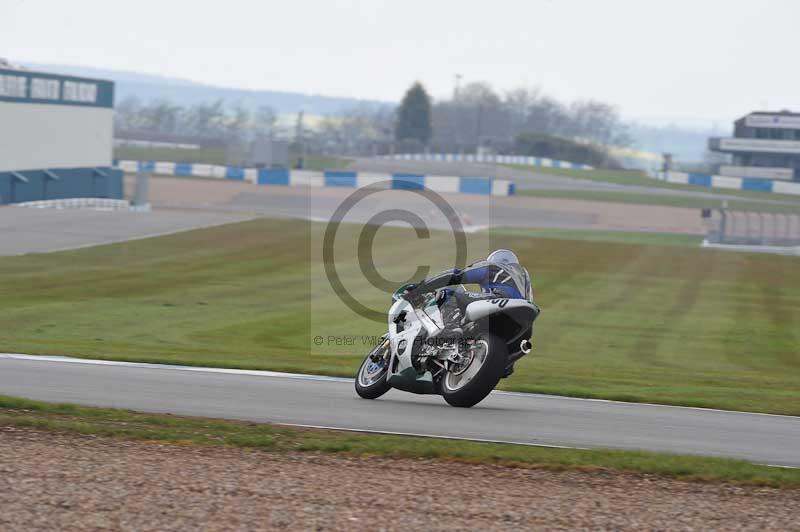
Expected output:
(379, 386)
(487, 377)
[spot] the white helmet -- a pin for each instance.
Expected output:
(503, 256)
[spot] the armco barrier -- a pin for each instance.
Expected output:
(330, 178)
(731, 183)
(102, 204)
(524, 160)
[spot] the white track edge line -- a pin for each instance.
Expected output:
(304, 376)
(147, 365)
(71, 360)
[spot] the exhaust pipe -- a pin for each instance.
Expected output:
(525, 346)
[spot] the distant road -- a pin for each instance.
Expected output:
(30, 230)
(331, 402)
(529, 179)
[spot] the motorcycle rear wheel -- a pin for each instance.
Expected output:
(371, 378)
(469, 385)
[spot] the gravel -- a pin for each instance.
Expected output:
(56, 481)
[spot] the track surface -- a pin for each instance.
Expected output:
(30, 230)
(320, 203)
(330, 402)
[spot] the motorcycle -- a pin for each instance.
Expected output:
(410, 357)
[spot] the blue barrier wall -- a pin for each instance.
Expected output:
(763, 185)
(700, 180)
(235, 173)
(273, 176)
(60, 183)
(408, 181)
(340, 179)
(475, 185)
(182, 169)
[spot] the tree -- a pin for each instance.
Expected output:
(265, 120)
(237, 124)
(414, 116)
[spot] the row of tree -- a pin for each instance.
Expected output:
(522, 121)
(211, 123)
(477, 116)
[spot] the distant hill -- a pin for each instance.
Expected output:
(688, 144)
(147, 87)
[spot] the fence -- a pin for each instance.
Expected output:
(741, 228)
(523, 160)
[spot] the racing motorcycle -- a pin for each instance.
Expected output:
(464, 370)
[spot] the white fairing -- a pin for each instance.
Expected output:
(411, 328)
(429, 320)
(480, 309)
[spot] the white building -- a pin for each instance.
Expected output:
(764, 145)
(56, 136)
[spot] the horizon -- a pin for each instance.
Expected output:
(655, 63)
(684, 123)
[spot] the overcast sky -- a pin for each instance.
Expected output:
(657, 60)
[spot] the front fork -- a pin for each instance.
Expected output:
(379, 354)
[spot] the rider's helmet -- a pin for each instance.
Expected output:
(503, 256)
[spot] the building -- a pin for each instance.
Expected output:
(56, 137)
(764, 145)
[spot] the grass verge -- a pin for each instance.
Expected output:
(663, 200)
(617, 237)
(627, 321)
(126, 424)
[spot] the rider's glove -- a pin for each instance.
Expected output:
(411, 287)
(413, 296)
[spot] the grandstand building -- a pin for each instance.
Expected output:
(56, 137)
(764, 145)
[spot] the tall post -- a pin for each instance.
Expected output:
(142, 192)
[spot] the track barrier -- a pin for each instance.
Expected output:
(329, 178)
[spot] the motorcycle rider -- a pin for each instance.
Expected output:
(499, 276)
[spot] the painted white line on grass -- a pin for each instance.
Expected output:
(305, 376)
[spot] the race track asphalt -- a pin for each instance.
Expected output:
(29, 230)
(332, 403)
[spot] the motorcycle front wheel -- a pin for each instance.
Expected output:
(371, 379)
(467, 384)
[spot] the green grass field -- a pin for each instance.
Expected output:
(637, 177)
(593, 235)
(665, 201)
(107, 422)
(631, 321)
